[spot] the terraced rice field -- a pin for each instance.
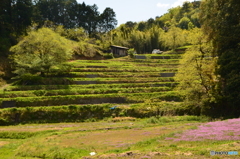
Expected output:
(122, 81)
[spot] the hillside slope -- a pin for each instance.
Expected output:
(131, 87)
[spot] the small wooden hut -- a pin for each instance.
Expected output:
(119, 51)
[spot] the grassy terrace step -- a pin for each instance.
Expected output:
(167, 65)
(129, 62)
(91, 99)
(123, 79)
(154, 60)
(111, 74)
(67, 81)
(79, 91)
(156, 57)
(126, 59)
(76, 113)
(66, 100)
(136, 69)
(91, 86)
(122, 59)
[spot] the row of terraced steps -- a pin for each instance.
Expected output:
(121, 81)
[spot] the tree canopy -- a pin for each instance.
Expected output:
(168, 31)
(39, 51)
(71, 14)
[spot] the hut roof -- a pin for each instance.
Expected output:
(120, 47)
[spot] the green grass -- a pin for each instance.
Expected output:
(90, 86)
(118, 74)
(119, 97)
(141, 137)
(122, 69)
(81, 91)
(21, 134)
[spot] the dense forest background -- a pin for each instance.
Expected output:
(208, 74)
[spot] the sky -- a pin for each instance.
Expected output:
(135, 10)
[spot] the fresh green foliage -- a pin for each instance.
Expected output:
(40, 51)
(86, 49)
(196, 76)
(131, 52)
(197, 81)
(174, 38)
(166, 32)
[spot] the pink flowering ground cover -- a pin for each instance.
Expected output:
(219, 130)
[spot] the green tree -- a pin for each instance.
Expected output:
(196, 77)
(107, 20)
(195, 36)
(70, 14)
(187, 7)
(173, 38)
(39, 51)
(15, 18)
(220, 22)
(184, 23)
(141, 26)
(156, 34)
(137, 40)
(82, 44)
(88, 17)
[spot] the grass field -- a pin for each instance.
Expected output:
(126, 137)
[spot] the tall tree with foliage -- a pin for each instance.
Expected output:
(196, 78)
(15, 18)
(221, 24)
(40, 51)
(107, 20)
(173, 38)
(197, 81)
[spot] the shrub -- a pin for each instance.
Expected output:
(61, 69)
(108, 55)
(131, 52)
(29, 79)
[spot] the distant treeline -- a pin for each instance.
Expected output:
(173, 29)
